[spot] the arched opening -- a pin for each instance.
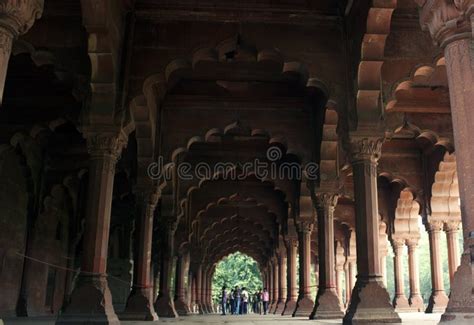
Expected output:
(236, 270)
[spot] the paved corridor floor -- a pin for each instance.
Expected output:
(408, 318)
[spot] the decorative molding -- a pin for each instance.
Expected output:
(446, 20)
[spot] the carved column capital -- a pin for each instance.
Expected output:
(412, 242)
(398, 243)
(291, 243)
(435, 225)
(17, 16)
(326, 200)
(305, 226)
(446, 20)
(452, 226)
(105, 144)
(366, 148)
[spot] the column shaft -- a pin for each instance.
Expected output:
(282, 285)
(104, 149)
(140, 302)
(438, 299)
(416, 301)
(305, 303)
(400, 301)
(459, 55)
(292, 289)
(365, 152)
(328, 304)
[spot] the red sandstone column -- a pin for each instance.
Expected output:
(400, 301)
(282, 285)
(164, 304)
(140, 302)
(271, 291)
(276, 285)
(348, 285)
(193, 294)
(199, 290)
(91, 298)
(182, 268)
(452, 229)
(328, 305)
(16, 18)
(305, 303)
(370, 301)
(292, 289)
(438, 300)
(339, 272)
(204, 291)
(451, 26)
(416, 301)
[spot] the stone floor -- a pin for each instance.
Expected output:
(410, 319)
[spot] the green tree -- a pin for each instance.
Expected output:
(236, 270)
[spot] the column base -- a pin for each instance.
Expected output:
(290, 306)
(437, 303)
(460, 307)
(201, 310)
(370, 304)
(164, 307)
(416, 304)
(181, 308)
(304, 307)
(139, 306)
(280, 307)
(91, 302)
(273, 308)
(401, 304)
(328, 305)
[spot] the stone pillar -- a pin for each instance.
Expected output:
(282, 264)
(416, 301)
(193, 294)
(438, 299)
(16, 18)
(276, 285)
(339, 272)
(292, 250)
(305, 303)
(450, 24)
(270, 286)
(383, 266)
(348, 284)
(198, 282)
(400, 301)
(452, 229)
(328, 305)
(164, 304)
(204, 292)
(91, 299)
(370, 301)
(182, 268)
(140, 302)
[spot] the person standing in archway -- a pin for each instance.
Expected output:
(245, 300)
(237, 300)
(224, 300)
(266, 299)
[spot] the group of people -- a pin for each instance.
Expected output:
(237, 301)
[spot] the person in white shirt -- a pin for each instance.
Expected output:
(245, 300)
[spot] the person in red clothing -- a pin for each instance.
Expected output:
(265, 299)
